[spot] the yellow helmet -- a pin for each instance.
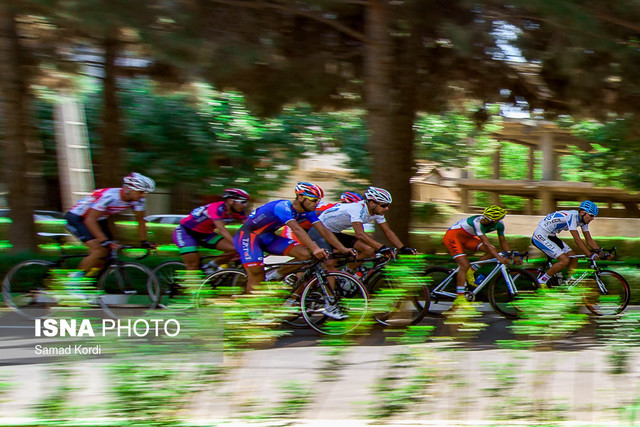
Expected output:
(494, 213)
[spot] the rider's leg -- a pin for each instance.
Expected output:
(461, 277)
(563, 262)
(96, 256)
(191, 260)
(255, 276)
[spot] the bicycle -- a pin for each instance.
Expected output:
(605, 291)
(348, 293)
(35, 288)
(412, 301)
(507, 284)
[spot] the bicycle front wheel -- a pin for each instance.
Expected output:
(128, 285)
(606, 292)
(401, 304)
(350, 296)
(168, 280)
(504, 301)
(225, 282)
(25, 289)
(442, 299)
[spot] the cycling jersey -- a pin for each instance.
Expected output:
(106, 200)
(464, 234)
(340, 216)
(201, 219)
(559, 221)
(257, 234)
(306, 225)
(544, 236)
(273, 215)
(474, 227)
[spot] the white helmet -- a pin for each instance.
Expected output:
(377, 194)
(139, 182)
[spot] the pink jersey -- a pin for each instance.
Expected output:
(106, 200)
(201, 218)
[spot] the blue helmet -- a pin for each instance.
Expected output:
(589, 207)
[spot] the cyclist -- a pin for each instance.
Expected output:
(257, 235)
(346, 197)
(353, 215)
(470, 234)
(545, 237)
(199, 228)
(87, 219)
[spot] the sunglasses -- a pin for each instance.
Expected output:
(242, 202)
(311, 199)
(383, 205)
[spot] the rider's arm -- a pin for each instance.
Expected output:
(362, 236)
(505, 248)
(305, 239)
(592, 243)
(583, 247)
(330, 238)
(142, 225)
(492, 249)
(91, 221)
(219, 224)
(388, 232)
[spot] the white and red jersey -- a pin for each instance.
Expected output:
(106, 200)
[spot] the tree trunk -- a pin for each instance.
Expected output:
(390, 118)
(110, 161)
(16, 115)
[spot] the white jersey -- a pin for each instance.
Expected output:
(339, 217)
(559, 221)
(106, 200)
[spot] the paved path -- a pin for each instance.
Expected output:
(471, 384)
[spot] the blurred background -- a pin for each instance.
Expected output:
(449, 105)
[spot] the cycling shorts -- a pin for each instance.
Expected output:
(458, 240)
(251, 246)
(75, 224)
(188, 241)
(550, 244)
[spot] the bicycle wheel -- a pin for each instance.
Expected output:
(409, 304)
(606, 292)
(225, 282)
(128, 285)
(349, 294)
(505, 302)
(24, 289)
(168, 279)
(442, 300)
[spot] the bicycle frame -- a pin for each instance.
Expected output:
(499, 268)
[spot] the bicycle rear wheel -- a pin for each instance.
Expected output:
(128, 285)
(25, 289)
(606, 293)
(349, 294)
(443, 299)
(408, 304)
(505, 302)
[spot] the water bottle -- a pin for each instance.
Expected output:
(480, 278)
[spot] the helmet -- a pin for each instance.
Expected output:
(235, 193)
(378, 194)
(139, 182)
(589, 207)
(309, 190)
(350, 197)
(494, 213)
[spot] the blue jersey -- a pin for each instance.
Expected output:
(273, 215)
